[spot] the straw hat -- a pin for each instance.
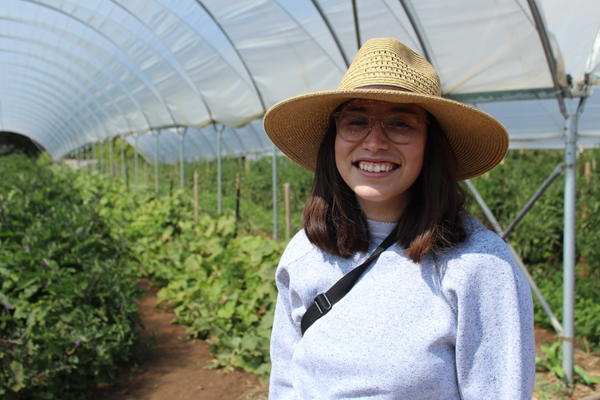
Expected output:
(298, 125)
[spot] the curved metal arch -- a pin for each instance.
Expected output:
(401, 25)
(88, 127)
(84, 75)
(309, 35)
(40, 120)
(111, 76)
(59, 89)
(64, 109)
(253, 129)
(180, 70)
(139, 73)
(210, 146)
(171, 148)
(543, 34)
(331, 32)
(237, 136)
(51, 118)
(207, 11)
(356, 24)
(45, 96)
(46, 83)
(416, 25)
(69, 135)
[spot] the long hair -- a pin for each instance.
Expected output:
(432, 221)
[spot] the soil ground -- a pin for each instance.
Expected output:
(176, 371)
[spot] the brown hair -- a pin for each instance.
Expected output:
(334, 222)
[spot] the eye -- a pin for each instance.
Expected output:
(354, 120)
(401, 122)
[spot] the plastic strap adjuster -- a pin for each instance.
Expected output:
(323, 304)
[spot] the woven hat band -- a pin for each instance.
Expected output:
(389, 62)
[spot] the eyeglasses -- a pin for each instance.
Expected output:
(400, 128)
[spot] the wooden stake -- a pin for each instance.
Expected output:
(196, 196)
(521, 151)
(288, 212)
(171, 176)
(247, 164)
(126, 176)
(594, 164)
(116, 169)
(581, 160)
(588, 171)
(146, 174)
(238, 178)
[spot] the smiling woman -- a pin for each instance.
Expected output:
(391, 290)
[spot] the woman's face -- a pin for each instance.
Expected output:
(380, 171)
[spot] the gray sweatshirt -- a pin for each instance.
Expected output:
(456, 326)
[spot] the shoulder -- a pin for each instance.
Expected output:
(482, 254)
(297, 248)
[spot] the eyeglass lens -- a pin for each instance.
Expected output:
(400, 128)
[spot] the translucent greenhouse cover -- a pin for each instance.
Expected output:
(76, 72)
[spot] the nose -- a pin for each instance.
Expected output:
(376, 139)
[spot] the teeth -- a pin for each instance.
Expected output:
(375, 168)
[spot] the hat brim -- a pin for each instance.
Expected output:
(298, 125)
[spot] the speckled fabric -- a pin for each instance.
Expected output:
(456, 326)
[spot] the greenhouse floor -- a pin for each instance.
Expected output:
(176, 370)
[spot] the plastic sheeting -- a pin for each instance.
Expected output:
(75, 72)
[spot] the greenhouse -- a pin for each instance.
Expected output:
(168, 96)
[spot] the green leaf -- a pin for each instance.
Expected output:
(16, 370)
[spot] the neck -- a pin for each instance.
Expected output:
(384, 211)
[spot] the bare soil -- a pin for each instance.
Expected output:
(177, 370)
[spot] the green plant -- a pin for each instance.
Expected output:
(68, 312)
(552, 361)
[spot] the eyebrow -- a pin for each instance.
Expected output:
(394, 109)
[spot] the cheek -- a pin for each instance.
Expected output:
(342, 154)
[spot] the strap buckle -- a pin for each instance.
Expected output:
(323, 304)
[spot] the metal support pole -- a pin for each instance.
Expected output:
(356, 24)
(569, 248)
(123, 171)
(219, 151)
(112, 157)
(490, 216)
(559, 168)
(274, 192)
(156, 134)
(181, 153)
(135, 144)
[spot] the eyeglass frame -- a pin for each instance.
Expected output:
(372, 119)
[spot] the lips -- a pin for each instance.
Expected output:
(371, 166)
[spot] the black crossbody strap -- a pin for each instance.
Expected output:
(324, 301)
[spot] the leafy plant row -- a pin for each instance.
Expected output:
(216, 277)
(67, 300)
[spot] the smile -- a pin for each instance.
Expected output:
(377, 167)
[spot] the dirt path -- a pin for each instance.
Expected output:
(176, 371)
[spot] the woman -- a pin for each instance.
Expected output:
(443, 313)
